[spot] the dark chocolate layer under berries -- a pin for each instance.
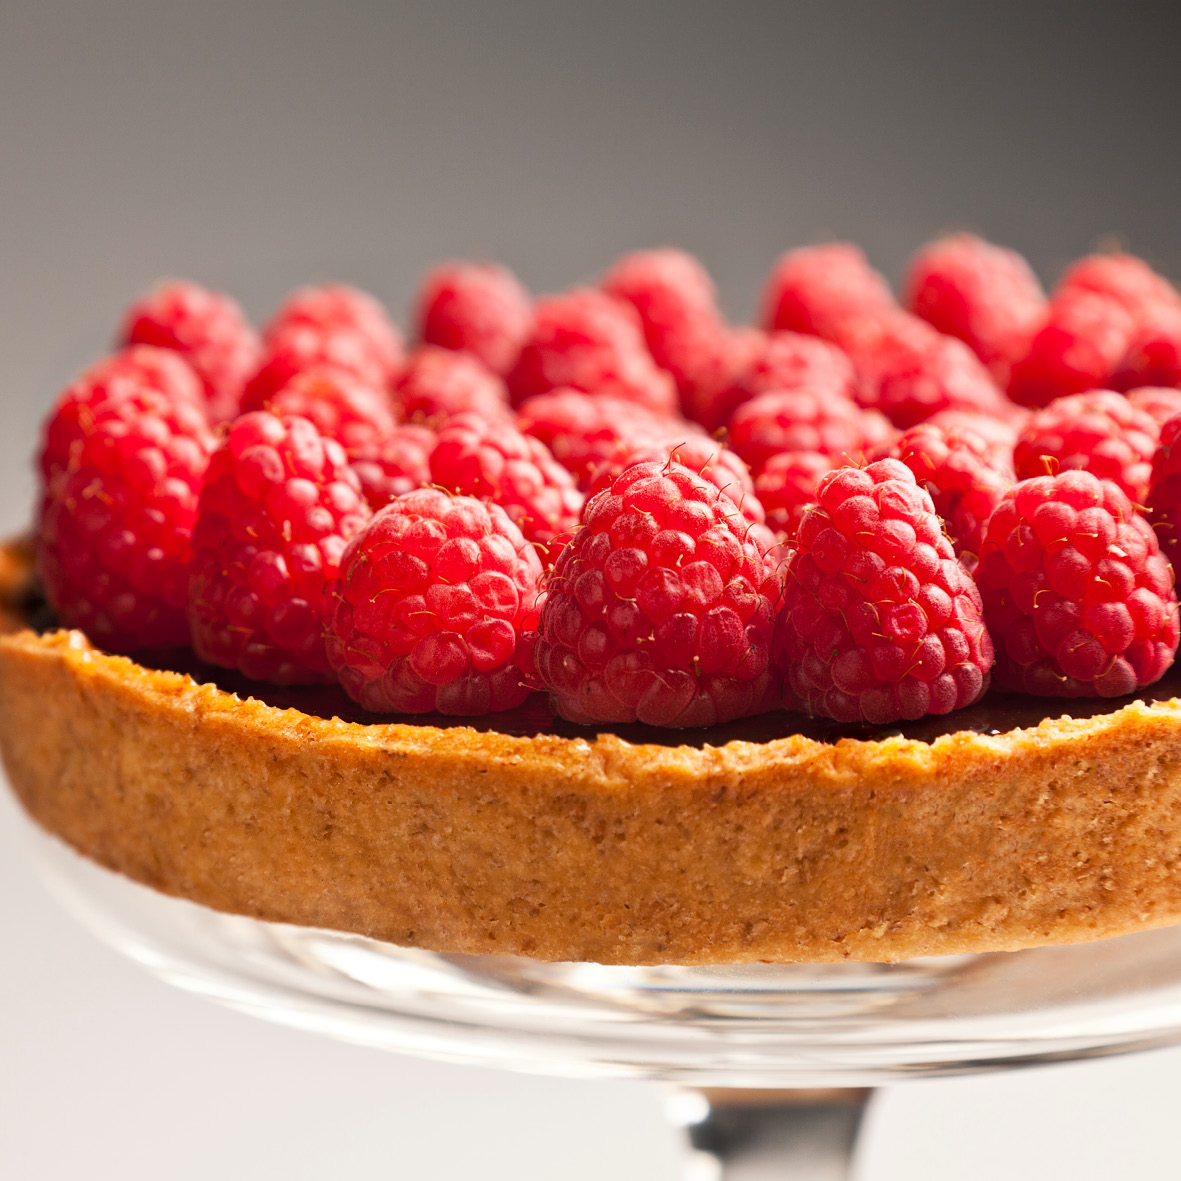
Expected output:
(995, 713)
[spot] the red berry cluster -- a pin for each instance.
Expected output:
(617, 496)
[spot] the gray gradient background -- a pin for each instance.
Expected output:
(257, 145)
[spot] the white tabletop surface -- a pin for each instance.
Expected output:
(257, 146)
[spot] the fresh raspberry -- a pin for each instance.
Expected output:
(208, 329)
(493, 460)
(878, 334)
(585, 431)
(1160, 403)
(662, 609)
(1164, 494)
(297, 347)
(391, 465)
(906, 369)
(475, 308)
(983, 294)
(798, 420)
(1076, 590)
(1153, 357)
(1099, 432)
(1083, 340)
(909, 374)
(818, 288)
(699, 453)
(1113, 322)
(784, 361)
(336, 307)
(787, 485)
(677, 305)
(117, 517)
(435, 595)
(356, 415)
(720, 361)
(438, 383)
(661, 285)
(998, 434)
(880, 622)
(588, 341)
(387, 459)
(954, 466)
(278, 505)
(155, 380)
(1129, 280)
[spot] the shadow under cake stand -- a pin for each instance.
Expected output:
(770, 1066)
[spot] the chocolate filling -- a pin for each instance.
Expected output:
(995, 714)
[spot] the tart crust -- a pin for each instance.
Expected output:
(458, 840)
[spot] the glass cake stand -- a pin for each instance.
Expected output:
(770, 1066)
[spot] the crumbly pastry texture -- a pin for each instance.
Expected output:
(459, 840)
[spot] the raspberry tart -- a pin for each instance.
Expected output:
(637, 726)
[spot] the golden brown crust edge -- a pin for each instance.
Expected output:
(566, 849)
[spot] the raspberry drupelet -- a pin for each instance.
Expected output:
(205, 327)
(662, 609)
(493, 460)
(588, 341)
(117, 513)
(880, 621)
(983, 294)
(1100, 432)
(476, 308)
(436, 599)
(278, 506)
(1076, 591)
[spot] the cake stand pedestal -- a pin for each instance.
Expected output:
(770, 1064)
(739, 1135)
